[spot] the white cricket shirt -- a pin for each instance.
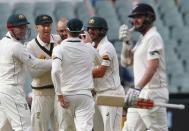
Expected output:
(45, 78)
(150, 46)
(13, 57)
(77, 63)
(111, 79)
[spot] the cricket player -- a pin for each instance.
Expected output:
(61, 28)
(42, 109)
(14, 110)
(106, 76)
(148, 60)
(72, 77)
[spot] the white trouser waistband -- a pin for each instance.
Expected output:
(43, 92)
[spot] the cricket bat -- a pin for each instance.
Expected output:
(119, 101)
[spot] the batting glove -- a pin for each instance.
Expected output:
(124, 33)
(131, 97)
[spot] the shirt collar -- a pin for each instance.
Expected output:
(73, 39)
(43, 43)
(9, 36)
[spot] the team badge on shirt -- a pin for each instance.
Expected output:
(42, 56)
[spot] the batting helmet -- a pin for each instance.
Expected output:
(143, 9)
(97, 22)
(16, 20)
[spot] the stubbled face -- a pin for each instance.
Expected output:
(44, 32)
(62, 31)
(95, 33)
(138, 21)
(19, 32)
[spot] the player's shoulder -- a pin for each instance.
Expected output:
(153, 33)
(56, 38)
(57, 48)
(9, 40)
(106, 42)
(16, 43)
(12, 43)
(31, 43)
(18, 47)
(89, 45)
(107, 45)
(155, 37)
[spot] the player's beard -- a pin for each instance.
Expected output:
(63, 37)
(23, 36)
(143, 27)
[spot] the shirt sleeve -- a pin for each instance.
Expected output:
(155, 48)
(57, 53)
(21, 53)
(56, 70)
(106, 56)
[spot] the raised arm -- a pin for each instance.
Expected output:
(126, 53)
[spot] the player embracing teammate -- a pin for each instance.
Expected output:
(83, 67)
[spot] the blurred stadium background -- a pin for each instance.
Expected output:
(172, 22)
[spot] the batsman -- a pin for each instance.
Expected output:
(148, 60)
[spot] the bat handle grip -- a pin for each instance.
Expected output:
(174, 106)
(144, 103)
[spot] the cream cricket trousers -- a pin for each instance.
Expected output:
(79, 115)
(108, 118)
(42, 113)
(14, 112)
(148, 119)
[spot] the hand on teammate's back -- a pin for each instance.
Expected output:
(86, 37)
(63, 101)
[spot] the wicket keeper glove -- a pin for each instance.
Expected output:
(124, 33)
(131, 97)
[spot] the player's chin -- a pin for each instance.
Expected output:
(137, 26)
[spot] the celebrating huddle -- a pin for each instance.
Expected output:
(70, 70)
